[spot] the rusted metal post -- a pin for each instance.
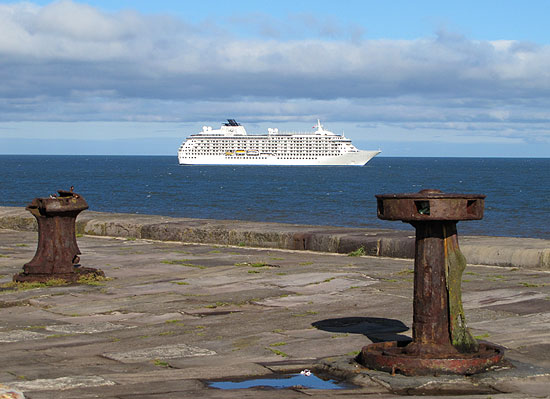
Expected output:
(442, 344)
(57, 253)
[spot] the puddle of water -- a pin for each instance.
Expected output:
(282, 381)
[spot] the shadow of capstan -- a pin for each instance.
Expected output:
(377, 329)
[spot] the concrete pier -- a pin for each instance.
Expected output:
(497, 251)
(178, 310)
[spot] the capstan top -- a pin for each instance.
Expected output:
(66, 202)
(430, 205)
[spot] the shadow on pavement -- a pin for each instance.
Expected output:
(377, 329)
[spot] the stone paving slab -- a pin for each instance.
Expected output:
(252, 311)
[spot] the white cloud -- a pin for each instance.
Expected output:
(70, 61)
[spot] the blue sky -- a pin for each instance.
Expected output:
(424, 78)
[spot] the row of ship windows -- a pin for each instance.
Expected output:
(259, 157)
(262, 146)
(244, 139)
(261, 149)
(240, 156)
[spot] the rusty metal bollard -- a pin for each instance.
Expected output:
(442, 344)
(57, 253)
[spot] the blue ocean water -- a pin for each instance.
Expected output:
(517, 203)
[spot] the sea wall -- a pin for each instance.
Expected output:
(498, 251)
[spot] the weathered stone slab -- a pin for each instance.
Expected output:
(159, 352)
(20, 335)
(91, 328)
(61, 383)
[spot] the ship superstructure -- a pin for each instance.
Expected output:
(231, 145)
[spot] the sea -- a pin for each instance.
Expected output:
(517, 189)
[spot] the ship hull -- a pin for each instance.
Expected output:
(359, 158)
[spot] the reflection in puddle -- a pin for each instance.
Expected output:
(282, 381)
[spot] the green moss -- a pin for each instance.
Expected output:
(406, 272)
(278, 344)
(161, 363)
(455, 263)
(358, 252)
(305, 263)
(482, 336)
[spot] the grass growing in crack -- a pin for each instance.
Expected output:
(59, 335)
(182, 262)
(17, 286)
(255, 264)
(358, 252)
(305, 263)
(278, 344)
(30, 328)
(530, 285)
(93, 279)
(277, 352)
(308, 313)
(217, 305)
(341, 335)
(180, 282)
(173, 321)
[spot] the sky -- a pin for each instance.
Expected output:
(412, 78)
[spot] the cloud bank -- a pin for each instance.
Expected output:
(72, 62)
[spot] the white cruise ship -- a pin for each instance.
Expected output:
(231, 145)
